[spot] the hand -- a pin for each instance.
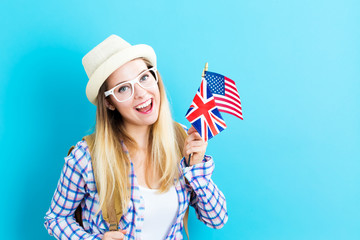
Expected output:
(194, 145)
(114, 235)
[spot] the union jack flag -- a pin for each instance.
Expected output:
(203, 113)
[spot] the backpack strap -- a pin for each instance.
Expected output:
(72, 147)
(112, 216)
(186, 218)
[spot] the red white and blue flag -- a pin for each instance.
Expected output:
(203, 113)
(225, 93)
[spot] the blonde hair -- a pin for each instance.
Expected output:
(111, 164)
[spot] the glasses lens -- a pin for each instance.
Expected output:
(148, 79)
(123, 91)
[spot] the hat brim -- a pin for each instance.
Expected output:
(114, 62)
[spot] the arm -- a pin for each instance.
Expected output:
(59, 220)
(208, 201)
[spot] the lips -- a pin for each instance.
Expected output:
(145, 107)
(144, 104)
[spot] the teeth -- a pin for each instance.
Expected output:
(145, 104)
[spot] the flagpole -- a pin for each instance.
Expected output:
(202, 76)
(205, 69)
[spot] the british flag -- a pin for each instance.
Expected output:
(203, 113)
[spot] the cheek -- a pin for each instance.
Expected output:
(157, 94)
(158, 99)
(123, 108)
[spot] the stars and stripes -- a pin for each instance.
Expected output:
(225, 93)
(203, 113)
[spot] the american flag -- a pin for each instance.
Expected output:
(203, 113)
(225, 93)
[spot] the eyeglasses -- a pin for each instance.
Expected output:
(125, 90)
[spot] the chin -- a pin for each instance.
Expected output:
(153, 120)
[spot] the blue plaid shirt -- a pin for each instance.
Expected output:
(77, 186)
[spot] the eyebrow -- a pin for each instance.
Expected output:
(130, 79)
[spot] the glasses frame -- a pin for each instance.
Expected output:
(132, 82)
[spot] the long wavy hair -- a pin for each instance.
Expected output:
(111, 164)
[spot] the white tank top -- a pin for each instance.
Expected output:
(161, 210)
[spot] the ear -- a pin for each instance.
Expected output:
(109, 105)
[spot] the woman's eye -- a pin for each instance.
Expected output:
(144, 77)
(123, 89)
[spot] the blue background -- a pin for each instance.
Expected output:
(289, 170)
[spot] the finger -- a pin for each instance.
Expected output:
(194, 136)
(187, 152)
(195, 143)
(117, 235)
(197, 135)
(194, 150)
(191, 130)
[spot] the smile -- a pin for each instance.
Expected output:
(144, 107)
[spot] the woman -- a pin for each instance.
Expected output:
(129, 178)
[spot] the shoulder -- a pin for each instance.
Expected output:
(79, 157)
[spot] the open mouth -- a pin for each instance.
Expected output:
(145, 107)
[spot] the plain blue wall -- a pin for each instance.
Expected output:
(289, 170)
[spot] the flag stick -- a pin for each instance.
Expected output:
(202, 76)
(205, 69)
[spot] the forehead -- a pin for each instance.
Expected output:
(128, 71)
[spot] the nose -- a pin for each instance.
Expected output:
(139, 91)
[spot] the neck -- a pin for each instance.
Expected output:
(140, 134)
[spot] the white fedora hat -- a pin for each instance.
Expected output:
(108, 56)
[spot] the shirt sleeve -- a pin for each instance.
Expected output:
(59, 219)
(208, 201)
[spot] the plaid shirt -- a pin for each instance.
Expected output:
(77, 186)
